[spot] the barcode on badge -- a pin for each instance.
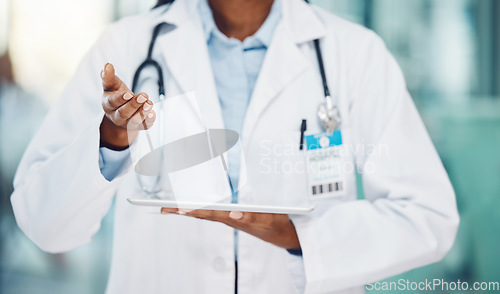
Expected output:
(327, 188)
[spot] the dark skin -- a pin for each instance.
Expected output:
(237, 19)
(240, 18)
(126, 113)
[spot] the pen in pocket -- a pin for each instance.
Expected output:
(303, 129)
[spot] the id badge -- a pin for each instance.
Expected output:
(325, 161)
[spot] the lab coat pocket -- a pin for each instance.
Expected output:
(349, 165)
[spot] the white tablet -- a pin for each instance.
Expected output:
(222, 206)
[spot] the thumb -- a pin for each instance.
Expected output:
(110, 82)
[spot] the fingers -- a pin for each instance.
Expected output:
(250, 218)
(213, 215)
(142, 120)
(236, 219)
(149, 120)
(121, 106)
(110, 82)
(114, 100)
(236, 215)
(116, 93)
(167, 210)
(131, 107)
(130, 111)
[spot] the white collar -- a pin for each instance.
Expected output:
(299, 18)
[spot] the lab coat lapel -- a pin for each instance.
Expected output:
(184, 50)
(284, 61)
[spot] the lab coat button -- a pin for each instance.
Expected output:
(219, 264)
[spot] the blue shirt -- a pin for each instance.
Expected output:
(236, 66)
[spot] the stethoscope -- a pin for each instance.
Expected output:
(328, 112)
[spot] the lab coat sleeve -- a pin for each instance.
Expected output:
(60, 195)
(408, 217)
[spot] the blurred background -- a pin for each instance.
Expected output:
(449, 51)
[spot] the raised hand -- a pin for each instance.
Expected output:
(126, 113)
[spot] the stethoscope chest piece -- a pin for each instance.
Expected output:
(329, 115)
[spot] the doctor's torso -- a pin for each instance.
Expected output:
(407, 220)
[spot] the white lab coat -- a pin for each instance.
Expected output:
(408, 219)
